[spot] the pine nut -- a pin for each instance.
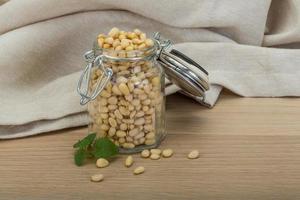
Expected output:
(142, 140)
(124, 111)
(113, 32)
(137, 31)
(166, 153)
(129, 161)
(121, 133)
(143, 36)
(124, 89)
(121, 79)
(129, 139)
(112, 122)
(140, 114)
(113, 100)
(109, 40)
(103, 102)
(149, 141)
(112, 107)
(116, 90)
(104, 115)
(128, 145)
(97, 178)
(122, 140)
(193, 154)
(123, 127)
(112, 131)
(148, 127)
(133, 132)
(155, 151)
(154, 156)
(125, 43)
(140, 135)
(139, 121)
(139, 170)
(103, 110)
(150, 135)
(101, 163)
(105, 94)
(118, 114)
(104, 127)
(145, 153)
(132, 114)
(135, 102)
(155, 81)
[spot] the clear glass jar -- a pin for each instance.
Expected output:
(125, 91)
(130, 105)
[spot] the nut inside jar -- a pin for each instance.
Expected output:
(130, 108)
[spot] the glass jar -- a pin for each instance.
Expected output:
(125, 93)
(128, 104)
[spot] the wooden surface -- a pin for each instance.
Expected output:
(250, 149)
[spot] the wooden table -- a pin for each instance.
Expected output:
(250, 149)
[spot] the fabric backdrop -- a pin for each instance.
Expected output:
(249, 47)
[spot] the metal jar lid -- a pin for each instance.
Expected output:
(182, 70)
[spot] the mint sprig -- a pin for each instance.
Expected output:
(90, 147)
(79, 157)
(85, 142)
(104, 148)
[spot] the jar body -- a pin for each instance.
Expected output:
(130, 110)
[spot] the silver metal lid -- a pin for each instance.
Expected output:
(182, 70)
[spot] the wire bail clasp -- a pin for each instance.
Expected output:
(83, 87)
(162, 45)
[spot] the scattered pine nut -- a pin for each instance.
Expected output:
(101, 163)
(155, 151)
(145, 153)
(139, 170)
(193, 154)
(166, 153)
(97, 177)
(155, 156)
(129, 161)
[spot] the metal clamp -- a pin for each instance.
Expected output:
(162, 45)
(84, 80)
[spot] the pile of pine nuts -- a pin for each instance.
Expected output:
(129, 108)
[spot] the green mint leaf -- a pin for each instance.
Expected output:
(85, 142)
(104, 148)
(79, 157)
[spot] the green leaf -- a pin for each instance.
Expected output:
(104, 148)
(90, 147)
(79, 157)
(85, 142)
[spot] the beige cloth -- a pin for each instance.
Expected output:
(42, 43)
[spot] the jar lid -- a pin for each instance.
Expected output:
(182, 70)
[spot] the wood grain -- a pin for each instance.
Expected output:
(250, 149)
